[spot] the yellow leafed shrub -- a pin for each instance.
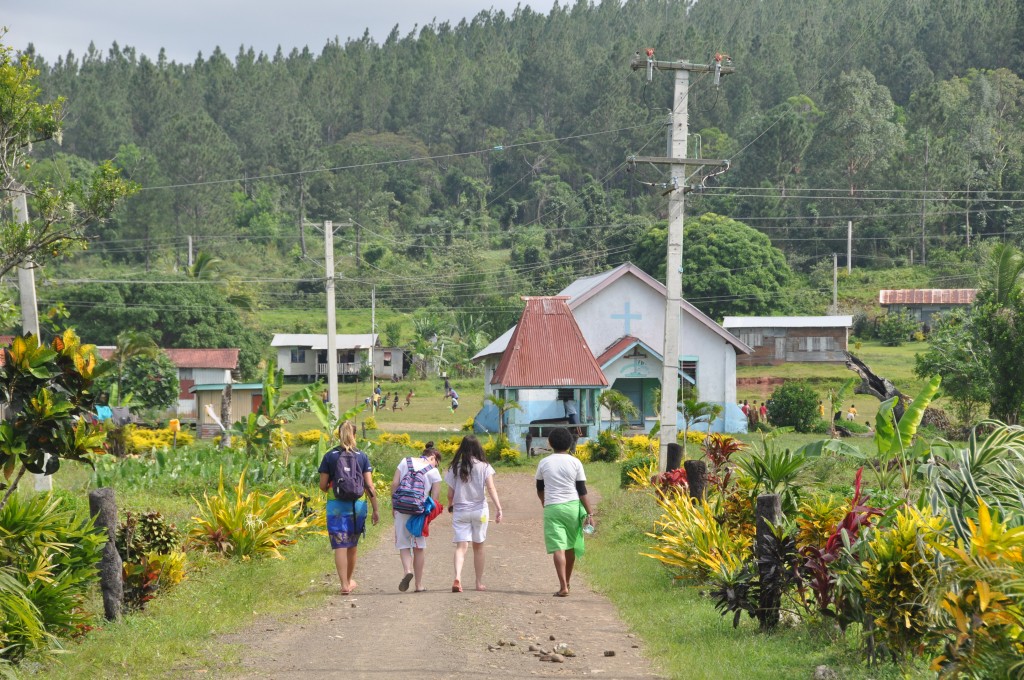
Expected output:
(690, 538)
(141, 440)
(370, 423)
(243, 525)
(640, 475)
(448, 447)
(509, 456)
(818, 517)
(582, 453)
(897, 566)
(281, 438)
(309, 437)
(639, 446)
(400, 439)
(467, 426)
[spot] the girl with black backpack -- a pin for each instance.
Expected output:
(347, 472)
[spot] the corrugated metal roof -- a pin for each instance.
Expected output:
(547, 349)
(928, 296)
(617, 348)
(840, 321)
(225, 358)
(319, 340)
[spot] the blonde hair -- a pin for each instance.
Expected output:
(347, 435)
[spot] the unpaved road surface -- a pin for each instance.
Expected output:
(378, 632)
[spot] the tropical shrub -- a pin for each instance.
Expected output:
(981, 621)
(640, 446)
(151, 573)
(467, 426)
(48, 558)
(237, 524)
(370, 423)
(262, 432)
(582, 454)
(48, 391)
(142, 440)
(774, 471)
(146, 532)
(402, 439)
(895, 328)
(638, 471)
(817, 518)
(606, 448)
(309, 437)
(509, 456)
(793, 404)
(898, 563)
(691, 540)
(718, 449)
(672, 482)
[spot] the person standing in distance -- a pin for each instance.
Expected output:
(346, 520)
(562, 489)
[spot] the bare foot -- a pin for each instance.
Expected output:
(352, 585)
(481, 586)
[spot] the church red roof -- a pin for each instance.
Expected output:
(547, 349)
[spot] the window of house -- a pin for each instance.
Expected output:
(751, 338)
(690, 369)
(298, 356)
(387, 359)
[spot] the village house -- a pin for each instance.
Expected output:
(781, 339)
(621, 316)
(923, 304)
(196, 366)
(303, 356)
(246, 398)
(550, 372)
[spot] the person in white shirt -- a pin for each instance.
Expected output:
(470, 478)
(411, 548)
(562, 489)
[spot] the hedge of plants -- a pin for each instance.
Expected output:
(933, 569)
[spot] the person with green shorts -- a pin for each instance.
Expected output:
(562, 489)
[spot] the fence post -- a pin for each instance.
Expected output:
(103, 509)
(768, 511)
(696, 477)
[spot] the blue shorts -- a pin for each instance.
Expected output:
(343, 526)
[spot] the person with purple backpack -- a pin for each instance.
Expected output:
(415, 490)
(347, 472)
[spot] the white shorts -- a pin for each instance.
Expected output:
(470, 526)
(403, 539)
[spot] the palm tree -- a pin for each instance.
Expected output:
(503, 406)
(695, 412)
(129, 344)
(618, 404)
(205, 267)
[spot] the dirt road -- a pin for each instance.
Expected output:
(378, 632)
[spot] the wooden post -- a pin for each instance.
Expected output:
(768, 511)
(696, 477)
(103, 509)
(675, 457)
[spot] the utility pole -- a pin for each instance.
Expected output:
(676, 190)
(29, 310)
(373, 330)
(849, 246)
(190, 251)
(332, 321)
(835, 283)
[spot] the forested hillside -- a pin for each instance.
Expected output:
(481, 161)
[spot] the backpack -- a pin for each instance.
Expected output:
(349, 484)
(410, 497)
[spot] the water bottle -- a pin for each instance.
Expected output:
(589, 529)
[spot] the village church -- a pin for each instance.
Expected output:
(620, 315)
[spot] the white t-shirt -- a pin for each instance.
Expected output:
(560, 472)
(470, 496)
(432, 477)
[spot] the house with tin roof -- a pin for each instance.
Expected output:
(621, 316)
(547, 365)
(923, 304)
(781, 339)
(303, 356)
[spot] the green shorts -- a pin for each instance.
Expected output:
(563, 526)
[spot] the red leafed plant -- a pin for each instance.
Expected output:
(816, 569)
(718, 449)
(673, 480)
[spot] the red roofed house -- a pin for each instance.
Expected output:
(195, 367)
(546, 364)
(924, 303)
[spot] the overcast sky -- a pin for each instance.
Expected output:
(187, 27)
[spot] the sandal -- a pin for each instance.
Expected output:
(456, 586)
(404, 584)
(562, 593)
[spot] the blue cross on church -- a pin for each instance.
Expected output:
(627, 317)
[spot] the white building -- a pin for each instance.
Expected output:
(621, 314)
(304, 356)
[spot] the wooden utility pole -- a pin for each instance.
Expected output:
(835, 283)
(679, 165)
(849, 246)
(332, 321)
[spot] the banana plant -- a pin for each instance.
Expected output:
(257, 430)
(895, 440)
